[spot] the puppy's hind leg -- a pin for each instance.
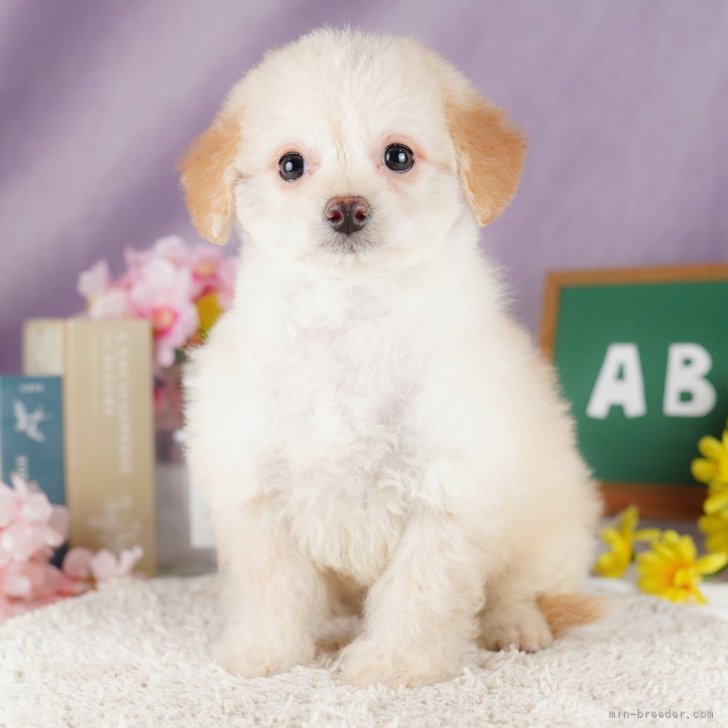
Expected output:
(534, 600)
(511, 621)
(275, 598)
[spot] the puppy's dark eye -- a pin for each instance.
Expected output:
(291, 166)
(399, 158)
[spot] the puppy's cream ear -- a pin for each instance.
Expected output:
(490, 154)
(208, 178)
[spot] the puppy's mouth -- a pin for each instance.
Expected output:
(347, 243)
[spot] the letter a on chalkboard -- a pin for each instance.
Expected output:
(619, 384)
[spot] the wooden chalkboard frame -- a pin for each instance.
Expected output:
(671, 502)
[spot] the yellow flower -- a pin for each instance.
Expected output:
(717, 497)
(614, 562)
(713, 467)
(715, 528)
(671, 571)
(209, 309)
(713, 470)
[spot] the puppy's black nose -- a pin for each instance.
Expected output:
(347, 214)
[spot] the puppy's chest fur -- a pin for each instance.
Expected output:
(345, 459)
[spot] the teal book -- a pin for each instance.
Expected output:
(31, 433)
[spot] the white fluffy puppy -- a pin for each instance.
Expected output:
(368, 419)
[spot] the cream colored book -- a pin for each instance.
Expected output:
(43, 347)
(108, 423)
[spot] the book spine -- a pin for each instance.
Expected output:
(31, 433)
(109, 435)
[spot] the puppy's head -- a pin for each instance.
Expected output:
(344, 146)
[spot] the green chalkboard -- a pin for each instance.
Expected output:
(642, 355)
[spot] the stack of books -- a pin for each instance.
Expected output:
(80, 423)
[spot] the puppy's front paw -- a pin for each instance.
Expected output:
(520, 625)
(256, 657)
(365, 663)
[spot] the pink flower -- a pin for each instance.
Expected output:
(204, 264)
(81, 564)
(30, 529)
(207, 265)
(112, 304)
(29, 524)
(104, 299)
(31, 580)
(95, 281)
(25, 586)
(14, 582)
(162, 285)
(162, 293)
(172, 248)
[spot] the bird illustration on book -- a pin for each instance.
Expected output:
(29, 422)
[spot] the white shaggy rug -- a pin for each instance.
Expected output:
(137, 655)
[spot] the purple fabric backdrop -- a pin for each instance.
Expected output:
(625, 104)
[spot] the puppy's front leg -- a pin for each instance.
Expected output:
(275, 598)
(421, 614)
